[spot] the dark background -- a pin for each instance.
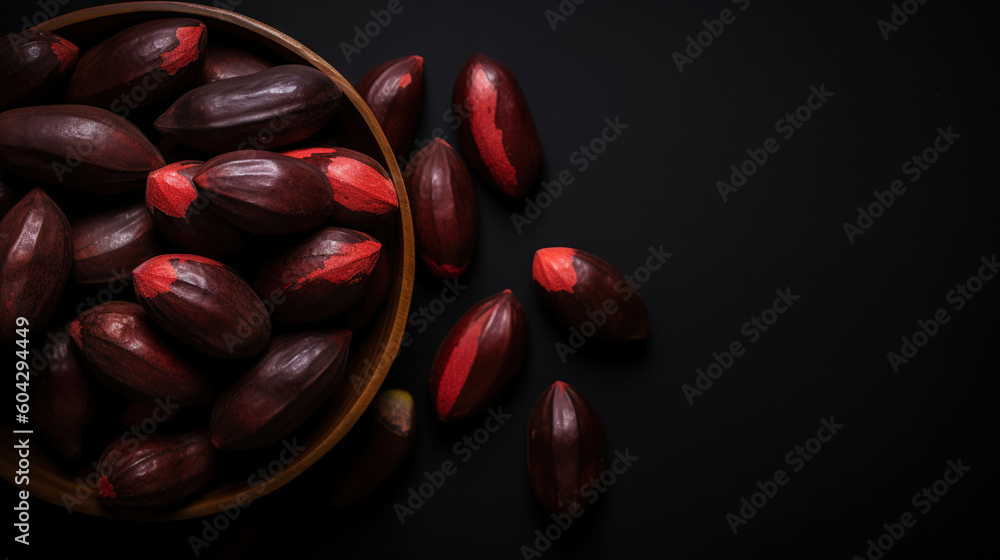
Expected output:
(653, 186)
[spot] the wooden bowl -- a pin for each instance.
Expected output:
(370, 355)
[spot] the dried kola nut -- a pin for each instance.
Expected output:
(394, 90)
(141, 65)
(203, 303)
(31, 63)
(36, 253)
(264, 110)
(319, 277)
(362, 189)
(77, 146)
(251, 190)
(107, 246)
(565, 449)
(588, 294)
(181, 212)
(443, 205)
(478, 357)
(294, 377)
(498, 135)
(121, 348)
(156, 472)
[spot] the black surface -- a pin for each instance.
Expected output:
(655, 186)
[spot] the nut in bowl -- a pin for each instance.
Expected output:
(128, 117)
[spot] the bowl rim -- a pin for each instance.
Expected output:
(52, 489)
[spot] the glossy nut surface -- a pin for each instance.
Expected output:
(395, 92)
(586, 293)
(36, 253)
(320, 276)
(141, 65)
(31, 63)
(444, 209)
(565, 449)
(362, 188)
(294, 377)
(251, 190)
(181, 212)
(478, 357)
(77, 146)
(157, 471)
(107, 246)
(263, 110)
(122, 349)
(203, 303)
(498, 136)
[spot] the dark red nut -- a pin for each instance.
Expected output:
(62, 406)
(296, 375)
(478, 357)
(107, 246)
(267, 109)
(222, 63)
(31, 63)
(252, 190)
(319, 277)
(362, 189)
(394, 429)
(581, 288)
(78, 146)
(120, 347)
(36, 253)
(498, 136)
(394, 90)
(157, 472)
(181, 212)
(140, 66)
(565, 449)
(359, 315)
(443, 204)
(8, 198)
(203, 303)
